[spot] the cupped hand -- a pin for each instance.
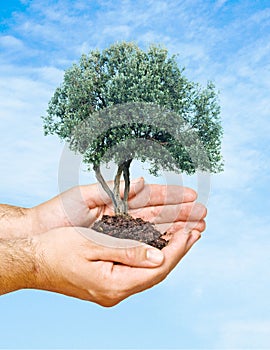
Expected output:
(169, 207)
(69, 263)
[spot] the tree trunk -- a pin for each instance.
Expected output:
(116, 191)
(126, 175)
(104, 185)
(122, 204)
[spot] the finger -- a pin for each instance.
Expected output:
(171, 213)
(177, 248)
(124, 251)
(153, 195)
(172, 227)
(94, 195)
(195, 236)
(140, 256)
(138, 279)
(136, 186)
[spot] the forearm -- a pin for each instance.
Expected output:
(17, 265)
(15, 222)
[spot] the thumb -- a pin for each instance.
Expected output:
(124, 251)
(140, 256)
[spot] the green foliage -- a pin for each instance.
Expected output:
(125, 103)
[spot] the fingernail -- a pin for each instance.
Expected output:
(154, 255)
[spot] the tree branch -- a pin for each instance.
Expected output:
(126, 175)
(104, 185)
(116, 190)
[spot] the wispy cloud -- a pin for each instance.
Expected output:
(11, 43)
(220, 3)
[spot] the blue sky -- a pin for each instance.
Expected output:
(218, 297)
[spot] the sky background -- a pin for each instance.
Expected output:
(218, 297)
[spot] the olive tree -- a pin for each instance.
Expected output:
(124, 103)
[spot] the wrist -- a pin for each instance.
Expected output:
(47, 215)
(18, 268)
(42, 279)
(15, 222)
(36, 220)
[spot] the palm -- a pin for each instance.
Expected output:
(166, 206)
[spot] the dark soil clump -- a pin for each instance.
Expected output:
(129, 228)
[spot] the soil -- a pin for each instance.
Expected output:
(130, 228)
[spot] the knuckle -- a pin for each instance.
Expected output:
(164, 194)
(184, 211)
(155, 213)
(130, 254)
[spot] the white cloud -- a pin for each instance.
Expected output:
(243, 96)
(220, 3)
(29, 160)
(83, 48)
(261, 17)
(11, 43)
(118, 31)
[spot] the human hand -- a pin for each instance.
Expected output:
(64, 256)
(69, 263)
(170, 207)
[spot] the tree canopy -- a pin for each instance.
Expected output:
(124, 103)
